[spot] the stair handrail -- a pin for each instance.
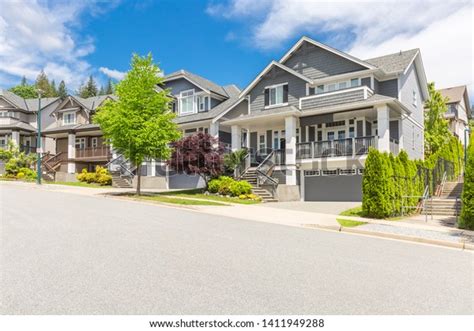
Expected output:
(242, 168)
(263, 177)
(120, 161)
(440, 187)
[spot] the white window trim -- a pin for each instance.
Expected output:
(69, 113)
(78, 142)
(276, 104)
(181, 97)
(96, 140)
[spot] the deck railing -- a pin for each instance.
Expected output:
(337, 147)
(93, 152)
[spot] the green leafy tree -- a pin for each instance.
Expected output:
(467, 212)
(25, 91)
(89, 89)
(436, 126)
(62, 90)
(139, 124)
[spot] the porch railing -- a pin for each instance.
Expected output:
(93, 152)
(337, 147)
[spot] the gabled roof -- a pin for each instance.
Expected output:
(26, 104)
(201, 82)
(327, 48)
(454, 94)
(267, 69)
(394, 63)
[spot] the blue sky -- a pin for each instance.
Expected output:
(226, 41)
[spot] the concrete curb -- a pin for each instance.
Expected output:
(449, 244)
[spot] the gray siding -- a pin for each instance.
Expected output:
(388, 88)
(239, 110)
(214, 102)
(178, 85)
(225, 137)
(365, 82)
(412, 139)
(408, 84)
(315, 62)
(332, 99)
(296, 89)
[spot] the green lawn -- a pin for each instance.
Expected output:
(349, 223)
(80, 184)
(198, 194)
(356, 211)
(176, 201)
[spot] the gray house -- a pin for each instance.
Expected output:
(311, 117)
(459, 110)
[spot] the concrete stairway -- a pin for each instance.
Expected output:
(119, 181)
(251, 176)
(446, 203)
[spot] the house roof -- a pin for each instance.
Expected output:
(26, 104)
(199, 81)
(18, 125)
(71, 127)
(231, 90)
(93, 102)
(394, 63)
(454, 94)
(267, 69)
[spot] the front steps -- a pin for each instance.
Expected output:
(446, 204)
(119, 181)
(251, 177)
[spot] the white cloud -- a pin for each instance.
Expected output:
(37, 35)
(442, 30)
(112, 73)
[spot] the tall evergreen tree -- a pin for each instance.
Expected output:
(42, 83)
(53, 90)
(62, 90)
(89, 89)
(467, 212)
(102, 91)
(23, 81)
(109, 89)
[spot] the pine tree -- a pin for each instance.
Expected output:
(62, 90)
(102, 91)
(53, 90)
(89, 89)
(42, 83)
(109, 88)
(23, 81)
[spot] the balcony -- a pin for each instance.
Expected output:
(95, 153)
(350, 147)
(334, 98)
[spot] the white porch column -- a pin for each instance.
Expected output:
(71, 152)
(383, 128)
(16, 137)
(153, 168)
(290, 149)
(214, 129)
(236, 135)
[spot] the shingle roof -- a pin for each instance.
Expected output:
(201, 81)
(455, 94)
(33, 103)
(231, 90)
(26, 104)
(93, 102)
(75, 127)
(18, 125)
(393, 63)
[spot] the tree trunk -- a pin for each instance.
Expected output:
(139, 177)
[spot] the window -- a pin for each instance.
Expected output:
(3, 113)
(331, 87)
(342, 85)
(355, 82)
(81, 143)
(331, 135)
(351, 132)
(276, 140)
(311, 91)
(341, 134)
(276, 95)
(186, 102)
(297, 135)
(69, 118)
(320, 89)
(415, 101)
(261, 143)
(3, 142)
(311, 173)
(320, 135)
(202, 103)
(94, 142)
(337, 123)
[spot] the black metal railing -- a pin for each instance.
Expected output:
(336, 147)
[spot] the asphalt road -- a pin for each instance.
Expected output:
(72, 254)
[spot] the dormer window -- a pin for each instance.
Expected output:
(69, 118)
(186, 102)
(276, 95)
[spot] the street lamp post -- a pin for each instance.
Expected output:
(38, 141)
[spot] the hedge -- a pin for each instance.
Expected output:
(467, 213)
(225, 185)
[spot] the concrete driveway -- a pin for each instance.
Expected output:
(324, 207)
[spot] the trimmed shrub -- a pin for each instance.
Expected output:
(467, 198)
(101, 176)
(225, 183)
(213, 186)
(240, 187)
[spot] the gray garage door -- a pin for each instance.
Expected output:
(333, 188)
